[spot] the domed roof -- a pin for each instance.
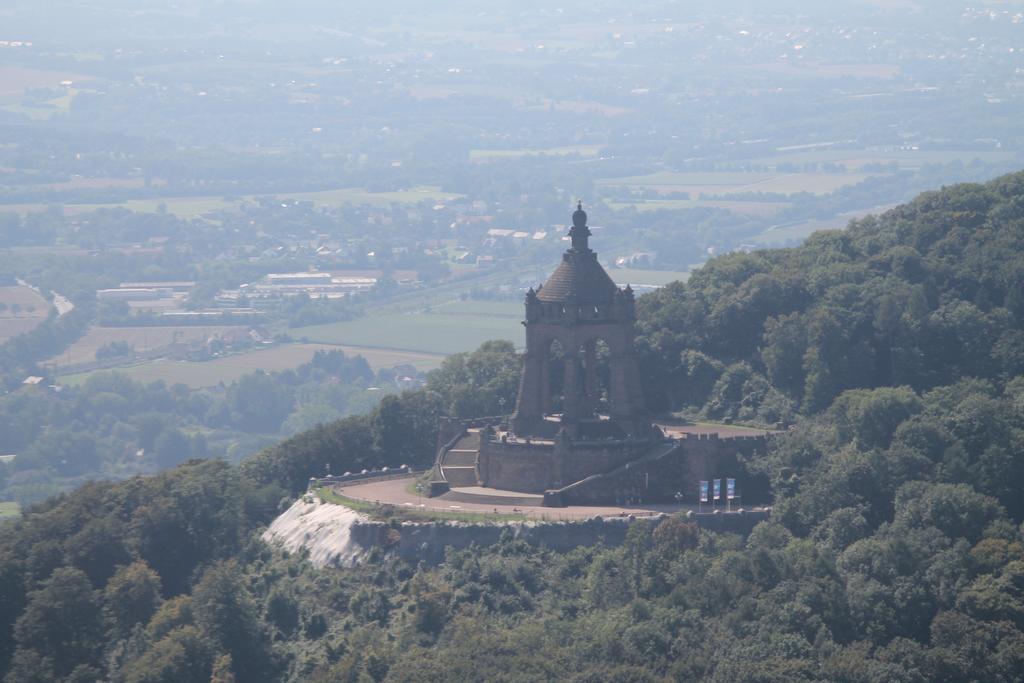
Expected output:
(578, 275)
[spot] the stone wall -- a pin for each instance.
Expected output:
(538, 467)
(429, 542)
(516, 467)
(660, 477)
(708, 456)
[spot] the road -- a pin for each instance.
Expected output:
(60, 302)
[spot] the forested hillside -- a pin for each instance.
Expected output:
(922, 296)
(894, 553)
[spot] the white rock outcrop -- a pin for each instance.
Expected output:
(324, 530)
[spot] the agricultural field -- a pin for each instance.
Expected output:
(522, 101)
(783, 235)
(648, 278)
(821, 70)
(719, 183)
(195, 207)
(22, 309)
(906, 159)
(444, 329)
(487, 309)
(15, 80)
(78, 182)
(41, 111)
(761, 209)
(361, 196)
(140, 338)
(9, 510)
(495, 154)
(198, 375)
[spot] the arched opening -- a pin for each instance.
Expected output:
(554, 378)
(594, 356)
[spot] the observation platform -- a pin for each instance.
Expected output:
(484, 500)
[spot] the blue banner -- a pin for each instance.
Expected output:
(703, 492)
(730, 488)
(718, 489)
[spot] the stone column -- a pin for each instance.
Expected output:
(545, 383)
(529, 404)
(637, 402)
(627, 397)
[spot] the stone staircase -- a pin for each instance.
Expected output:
(459, 464)
(568, 495)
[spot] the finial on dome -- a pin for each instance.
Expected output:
(579, 217)
(579, 232)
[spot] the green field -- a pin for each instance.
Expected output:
(425, 332)
(742, 207)
(44, 110)
(32, 310)
(784, 234)
(492, 154)
(9, 509)
(778, 236)
(489, 309)
(361, 196)
(654, 278)
(910, 159)
(231, 368)
(718, 183)
(194, 207)
(139, 338)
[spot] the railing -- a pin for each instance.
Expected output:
(478, 422)
(439, 462)
(364, 477)
(439, 482)
(717, 437)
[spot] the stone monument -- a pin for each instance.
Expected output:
(580, 433)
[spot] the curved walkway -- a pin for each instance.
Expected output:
(393, 492)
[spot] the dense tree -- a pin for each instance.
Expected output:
(258, 403)
(480, 383)
(131, 597)
(227, 616)
(61, 623)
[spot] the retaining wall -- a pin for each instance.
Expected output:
(334, 535)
